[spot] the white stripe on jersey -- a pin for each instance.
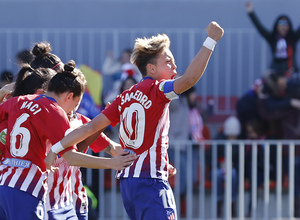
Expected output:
(6, 174)
(37, 188)
(29, 178)
(79, 194)
(15, 178)
(15, 175)
(161, 133)
(153, 154)
(153, 158)
(57, 198)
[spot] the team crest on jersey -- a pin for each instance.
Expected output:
(3, 136)
(171, 215)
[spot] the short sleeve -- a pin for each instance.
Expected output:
(100, 143)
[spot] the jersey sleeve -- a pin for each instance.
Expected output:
(4, 109)
(100, 143)
(3, 131)
(112, 112)
(83, 118)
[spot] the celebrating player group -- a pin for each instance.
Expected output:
(46, 138)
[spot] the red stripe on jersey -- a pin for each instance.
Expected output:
(25, 179)
(34, 182)
(51, 192)
(21, 180)
(10, 171)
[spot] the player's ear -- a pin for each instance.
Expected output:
(70, 95)
(151, 69)
(39, 91)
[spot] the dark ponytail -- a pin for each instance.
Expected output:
(70, 79)
(29, 80)
(43, 58)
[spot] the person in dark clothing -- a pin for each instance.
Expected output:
(280, 107)
(282, 40)
(230, 131)
(246, 106)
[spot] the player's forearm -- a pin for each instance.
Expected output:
(121, 161)
(84, 131)
(75, 158)
(194, 71)
(197, 67)
(77, 135)
(88, 141)
(113, 148)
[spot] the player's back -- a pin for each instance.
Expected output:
(30, 122)
(144, 124)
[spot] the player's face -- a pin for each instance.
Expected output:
(165, 65)
(75, 103)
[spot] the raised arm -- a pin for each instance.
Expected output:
(197, 67)
(257, 23)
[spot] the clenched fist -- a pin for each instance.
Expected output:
(214, 31)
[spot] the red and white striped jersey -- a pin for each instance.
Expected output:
(65, 185)
(31, 121)
(143, 114)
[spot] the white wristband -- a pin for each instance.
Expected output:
(209, 43)
(56, 148)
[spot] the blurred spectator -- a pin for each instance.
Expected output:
(277, 107)
(6, 78)
(198, 130)
(280, 107)
(113, 66)
(282, 40)
(230, 130)
(115, 70)
(255, 131)
(246, 106)
(180, 130)
(24, 57)
(127, 83)
(128, 70)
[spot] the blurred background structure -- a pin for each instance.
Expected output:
(86, 30)
(90, 31)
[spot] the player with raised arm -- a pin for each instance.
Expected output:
(143, 114)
